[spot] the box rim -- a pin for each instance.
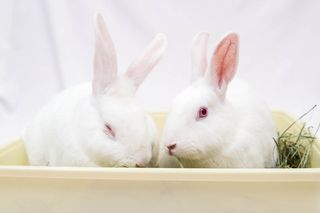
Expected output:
(162, 174)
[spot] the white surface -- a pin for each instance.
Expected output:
(46, 46)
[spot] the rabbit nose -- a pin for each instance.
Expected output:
(171, 147)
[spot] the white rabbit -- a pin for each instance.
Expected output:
(212, 124)
(101, 124)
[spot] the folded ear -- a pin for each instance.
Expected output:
(199, 55)
(105, 59)
(152, 54)
(224, 62)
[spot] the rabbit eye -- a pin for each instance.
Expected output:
(109, 130)
(202, 113)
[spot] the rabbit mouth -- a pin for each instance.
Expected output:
(128, 163)
(123, 165)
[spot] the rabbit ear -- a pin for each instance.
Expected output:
(224, 62)
(142, 66)
(105, 59)
(199, 54)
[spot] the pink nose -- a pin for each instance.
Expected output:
(171, 147)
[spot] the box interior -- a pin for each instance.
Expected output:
(14, 153)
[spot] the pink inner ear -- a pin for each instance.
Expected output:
(151, 55)
(105, 58)
(225, 59)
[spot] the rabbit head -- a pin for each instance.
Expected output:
(200, 119)
(122, 133)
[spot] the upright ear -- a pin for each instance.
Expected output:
(224, 62)
(152, 54)
(105, 59)
(199, 55)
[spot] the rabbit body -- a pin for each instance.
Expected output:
(69, 131)
(214, 124)
(100, 124)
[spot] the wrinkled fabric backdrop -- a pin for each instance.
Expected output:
(46, 46)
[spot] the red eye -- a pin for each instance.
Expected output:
(202, 113)
(109, 130)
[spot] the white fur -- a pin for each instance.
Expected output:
(238, 131)
(70, 130)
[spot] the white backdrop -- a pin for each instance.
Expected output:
(46, 46)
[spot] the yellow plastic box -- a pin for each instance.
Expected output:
(63, 189)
